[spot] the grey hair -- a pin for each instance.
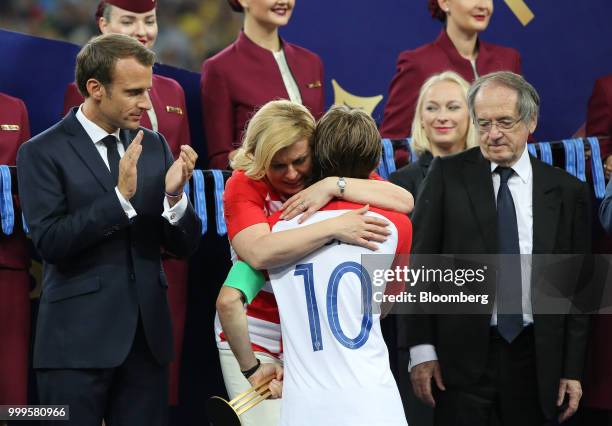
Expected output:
(528, 102)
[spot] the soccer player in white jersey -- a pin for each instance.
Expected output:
(336, 362)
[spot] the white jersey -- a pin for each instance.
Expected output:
(336, 361)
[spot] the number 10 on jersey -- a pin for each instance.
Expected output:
(306, 271)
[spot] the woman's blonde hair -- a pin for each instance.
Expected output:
(420, 141)
(276, 125)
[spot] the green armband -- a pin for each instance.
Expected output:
(246, 279)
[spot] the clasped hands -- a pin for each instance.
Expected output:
(176, 176)
(354, 227)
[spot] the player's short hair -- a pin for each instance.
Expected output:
(98, 57)
(346, 143)
(276, 125)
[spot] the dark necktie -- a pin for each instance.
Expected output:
(112, 154)
(509, 292)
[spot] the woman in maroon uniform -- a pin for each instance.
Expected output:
(138, 19)
(14, 266)
(458, 48)
(258, 67)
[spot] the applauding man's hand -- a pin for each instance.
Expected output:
(128, 174)
(179, 173)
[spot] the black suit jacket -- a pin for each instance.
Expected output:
(456, 214)
(101, 270)
(411, 176)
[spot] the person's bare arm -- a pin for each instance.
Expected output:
(263, 249)
(382, 194)
(230, 307)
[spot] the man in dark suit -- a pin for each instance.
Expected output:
(516, 365)
(102, 197)
(168, 116)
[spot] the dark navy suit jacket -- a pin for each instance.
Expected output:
(101, 270)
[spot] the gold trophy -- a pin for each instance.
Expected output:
(227, 413)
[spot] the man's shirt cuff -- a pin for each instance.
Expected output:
(422, 353)
(126, 205)
(175, 213)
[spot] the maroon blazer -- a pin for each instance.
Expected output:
(599, 114)
(14, 130)
(243, 77)
(14, 265)
(415, 66)
(168, 99)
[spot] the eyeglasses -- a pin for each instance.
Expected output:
(485, 126)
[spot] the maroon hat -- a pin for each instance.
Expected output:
(235, 5)
(136, 6)
(436, 12)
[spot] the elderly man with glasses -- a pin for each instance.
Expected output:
(511, 365)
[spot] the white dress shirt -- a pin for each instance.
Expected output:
(290, 84)
(152, 115)
(473, 62)
(97, 134)
(521, 188)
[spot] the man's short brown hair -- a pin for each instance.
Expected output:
(346, 143)
(98, 57)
